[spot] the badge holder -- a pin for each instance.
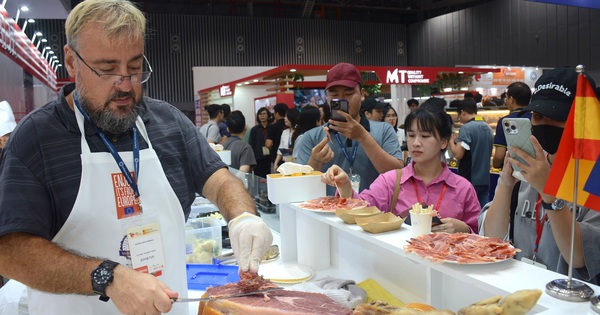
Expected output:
(145, 243)
(355, 182)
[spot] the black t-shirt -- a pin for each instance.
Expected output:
(274, 132)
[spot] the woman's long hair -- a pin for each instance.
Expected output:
(309, 118)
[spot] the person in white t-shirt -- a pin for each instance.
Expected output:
(284, 154)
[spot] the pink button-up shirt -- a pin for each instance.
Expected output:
(459, 200)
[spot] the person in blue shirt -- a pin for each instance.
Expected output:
(362, 148)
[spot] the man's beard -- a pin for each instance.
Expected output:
(108, 120)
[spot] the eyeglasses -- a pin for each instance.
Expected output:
(116, 79)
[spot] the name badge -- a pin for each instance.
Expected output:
(532, 262)
(266, 151)
(145, 245)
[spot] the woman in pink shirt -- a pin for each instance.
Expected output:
(425, 179)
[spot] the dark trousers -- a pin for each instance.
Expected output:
(483, 194)
(262, 168)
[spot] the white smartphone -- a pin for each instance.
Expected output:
(517, 132)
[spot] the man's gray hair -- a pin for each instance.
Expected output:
(116, 18)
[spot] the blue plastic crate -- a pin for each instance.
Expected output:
(199, 277)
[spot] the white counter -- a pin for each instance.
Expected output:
(329, 246)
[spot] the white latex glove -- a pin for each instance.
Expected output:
(250, 239)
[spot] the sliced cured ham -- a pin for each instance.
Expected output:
(332, 203)
(462, 248)
(280, 302)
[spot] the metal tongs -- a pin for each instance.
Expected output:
(224, 296)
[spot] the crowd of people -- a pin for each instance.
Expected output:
(64, 168)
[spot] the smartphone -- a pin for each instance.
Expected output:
(337, 106)
(517, 132)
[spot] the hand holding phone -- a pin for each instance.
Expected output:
(337, 106)
(517, 132)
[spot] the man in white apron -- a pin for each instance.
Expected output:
(95, 186)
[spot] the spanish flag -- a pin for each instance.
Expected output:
(580, 140)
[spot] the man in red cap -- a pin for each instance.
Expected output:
(362, 148)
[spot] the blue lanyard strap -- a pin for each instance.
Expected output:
(354, 150)
(113, 151)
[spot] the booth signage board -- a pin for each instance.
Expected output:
(418, 75)
(226, 90)
(506, 76)
(15, 44)
(407, 76)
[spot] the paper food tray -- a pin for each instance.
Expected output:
(200, 277)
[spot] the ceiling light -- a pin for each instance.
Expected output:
(292, 70)
(460, 72)
(255, 80)
(246, 82)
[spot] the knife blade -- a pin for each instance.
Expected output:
(224, 296)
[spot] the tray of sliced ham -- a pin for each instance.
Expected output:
(330, 204)
(460, 248)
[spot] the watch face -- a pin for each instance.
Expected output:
(102, 277)
(558, 204)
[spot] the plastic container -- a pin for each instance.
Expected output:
(284, 189)
(202, 240)
(200, 277)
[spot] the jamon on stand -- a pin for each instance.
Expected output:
(280, 302)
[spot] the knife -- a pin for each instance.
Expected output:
(224, 296)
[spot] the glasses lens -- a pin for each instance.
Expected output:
(145, 76)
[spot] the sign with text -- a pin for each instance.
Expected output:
(226, 90)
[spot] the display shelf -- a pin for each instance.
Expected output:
(331, 247)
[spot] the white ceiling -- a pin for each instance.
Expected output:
(38, 9)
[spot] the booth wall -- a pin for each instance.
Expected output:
(508, 32)
(179, 43)
(11, 86)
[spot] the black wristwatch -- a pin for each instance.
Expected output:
(558, 204)
(102, 277)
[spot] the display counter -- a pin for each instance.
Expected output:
(325, 243)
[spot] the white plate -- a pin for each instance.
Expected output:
(475, 263)
(317, 210)
(286, 273)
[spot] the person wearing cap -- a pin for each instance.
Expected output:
(7, 123)
(96, 185)
(372, 109)
(521, 211)
(517, 97)
(472, 147)
(361, 147)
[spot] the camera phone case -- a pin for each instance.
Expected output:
(336, 106)
(517, 132)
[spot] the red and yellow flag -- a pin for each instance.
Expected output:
(580, 140)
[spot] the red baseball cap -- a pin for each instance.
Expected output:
(344, 74)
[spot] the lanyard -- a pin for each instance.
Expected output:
(539, 225)
(113, 151)
(350, 159)
(437, 206)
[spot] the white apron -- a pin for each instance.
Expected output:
(93, 228)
